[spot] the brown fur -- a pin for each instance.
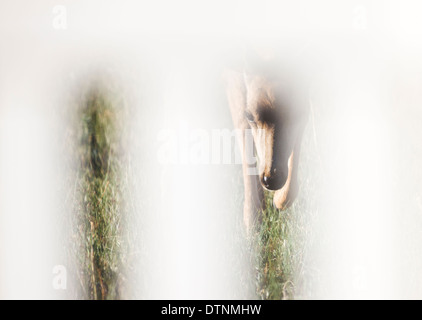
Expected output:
(276, 113)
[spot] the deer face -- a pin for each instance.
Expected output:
(277, 121)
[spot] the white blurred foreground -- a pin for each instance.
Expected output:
(365, 61)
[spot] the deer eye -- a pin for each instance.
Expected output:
(249, 117)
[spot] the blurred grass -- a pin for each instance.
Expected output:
(99, 218)
(277, 253)
(281, 242)
(100, 241)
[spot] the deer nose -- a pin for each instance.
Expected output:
(269, 182)
(265, 181)
(274, 181)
